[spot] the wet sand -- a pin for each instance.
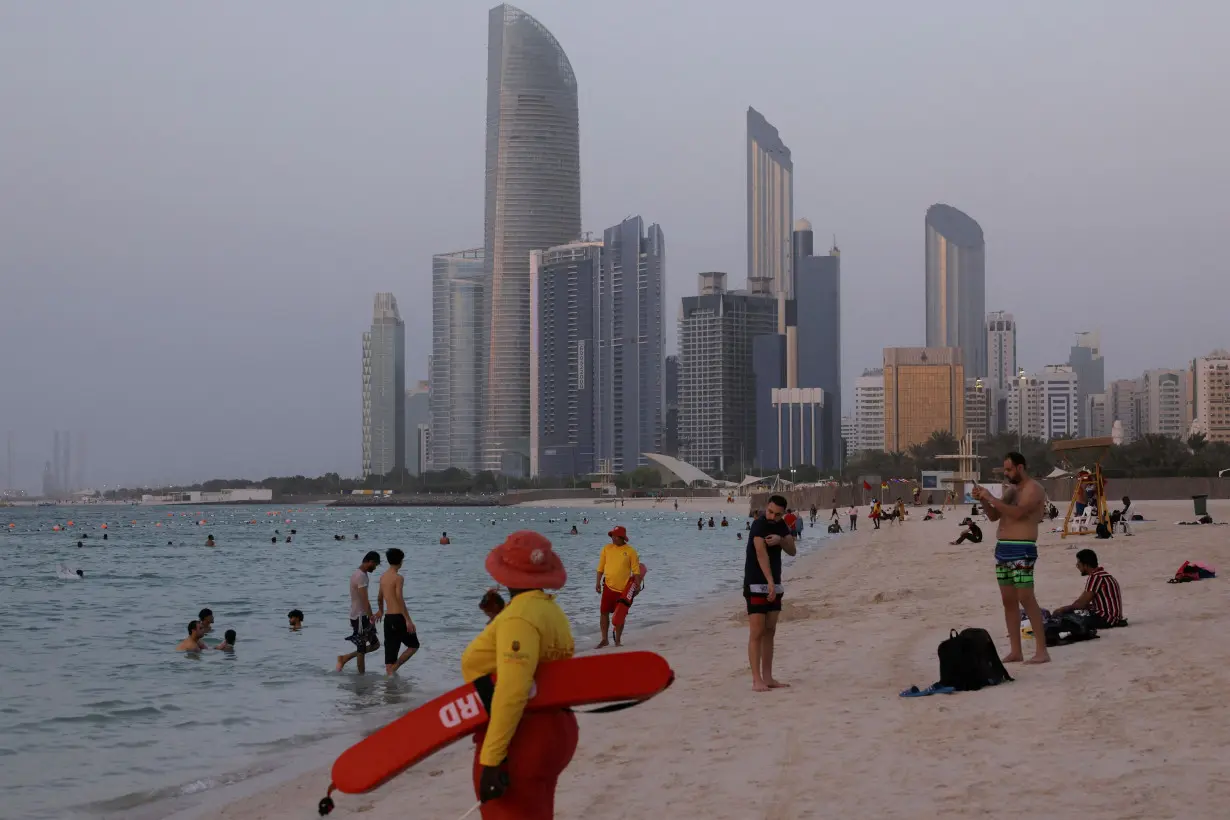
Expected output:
(1131, 725)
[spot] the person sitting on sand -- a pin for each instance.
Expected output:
(1102, 596)
(228, 641)
(296, 620)
(194, 642)
(762, 577)
(973, 533)
(444, 539)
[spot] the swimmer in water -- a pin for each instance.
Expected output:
(193, 642)
(296, 620)
(209, 542)
(206, 617)
(444, 538)
(574, 530)
(228, 641)
(492, 604)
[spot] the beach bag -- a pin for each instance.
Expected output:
(1192, 572)
(969, 661)
(1078, 626)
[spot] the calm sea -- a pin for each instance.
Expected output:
(99, 717)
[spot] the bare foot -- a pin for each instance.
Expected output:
(1012, 657)
(389, 669)
(604, 643)
(776, 684)
(758, 686)
(617, 643)
(341, 661)
(1040, 658)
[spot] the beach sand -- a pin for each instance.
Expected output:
(1131, 725)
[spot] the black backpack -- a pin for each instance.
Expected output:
(969, 661)
(1077, 627)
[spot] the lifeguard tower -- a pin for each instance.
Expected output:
(967, 471)
(1088, 482)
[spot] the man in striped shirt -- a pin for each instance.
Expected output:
(1101, 597)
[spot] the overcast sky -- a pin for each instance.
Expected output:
(198, 201)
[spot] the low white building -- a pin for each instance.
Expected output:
(224, 496)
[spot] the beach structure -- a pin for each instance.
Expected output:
(1089, 484)
(967, 472)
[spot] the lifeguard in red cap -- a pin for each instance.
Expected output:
(617, 566)
(518, 755)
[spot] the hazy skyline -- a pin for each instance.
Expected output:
(200, 202)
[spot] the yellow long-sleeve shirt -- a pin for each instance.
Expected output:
(531, 629)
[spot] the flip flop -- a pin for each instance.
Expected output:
(915, 692)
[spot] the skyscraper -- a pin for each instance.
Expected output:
(1121, 407)
(924, 393)
(956, 286)
(670, 432)
(717, 385)
(817, 298)
(418, 414)
(384, 389)
(1162, 402)
(598, 342)
(458, 343)
(533, 201)
(1085, 359)
(868, 412)
(770, 205)
(1211, 396)
(1001, 351)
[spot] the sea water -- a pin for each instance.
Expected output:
(100, 717)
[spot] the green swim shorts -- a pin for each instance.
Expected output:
(1016, 573)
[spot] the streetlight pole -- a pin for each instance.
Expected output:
(1020, 410)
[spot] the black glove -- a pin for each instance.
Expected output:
(492, 783)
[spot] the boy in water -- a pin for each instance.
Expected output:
(398, 626)
(228, 641)
(296, 620)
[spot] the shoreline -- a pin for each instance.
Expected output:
(1138, 712)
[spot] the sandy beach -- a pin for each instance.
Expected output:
(1131, 725)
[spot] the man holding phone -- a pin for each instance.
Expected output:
(762, 587)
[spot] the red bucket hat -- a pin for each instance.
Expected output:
(618, 532)
(526, 561)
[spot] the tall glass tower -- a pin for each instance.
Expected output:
(384, 389)
(770, 206)
(458, 340)
(956, 286)
(533, 202)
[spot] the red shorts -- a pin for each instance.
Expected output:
(540, 751)
(610, 597)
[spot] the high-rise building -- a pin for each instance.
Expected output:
(978, 403)
(924, 393)
(1211, 396)
(384, 389)
(1161, 403)
(418, 414)
(1096, 411)
(631, 344)
(770, 205)
(8, 470)
(565, 377)
(1121, 407)
(456, 373)
(817, 298)
(1001, 350)
(1050, 404)
(1085, 359)
(956, 286)
(868, 412)
(670, 432)
(533, 201)
(717, 386)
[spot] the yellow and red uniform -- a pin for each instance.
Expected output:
(618, 564)
(537, 746)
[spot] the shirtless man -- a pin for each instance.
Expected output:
(1016, 552)
(193, 643)
(398, 626)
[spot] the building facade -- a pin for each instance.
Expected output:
(956, 286)
(1211, 396)
(717, 387)
(1085, 359)
(456, 372)
(924, 393)
(1095, 410)
(770, 205)
(817, 322)
(533, 201)
(670, 431)
(418, 414)
(631, 344)
(868, 412)
(1001, 350)
(1161, 404)
(384, 389)
(565, 359)
(978, 404)
(1121, 407)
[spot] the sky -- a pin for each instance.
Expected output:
(198, 202)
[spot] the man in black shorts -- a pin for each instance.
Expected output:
(762, 587)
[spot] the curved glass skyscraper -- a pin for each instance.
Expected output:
(533, 202)
(956, 286)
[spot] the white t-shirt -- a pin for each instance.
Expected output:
(359, 602)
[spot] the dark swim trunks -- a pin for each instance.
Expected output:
(363, 634)
(1014, 563)
(757, 596)
(396, 634)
